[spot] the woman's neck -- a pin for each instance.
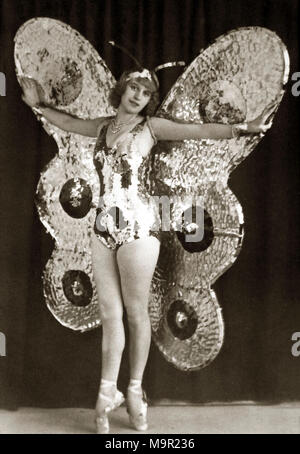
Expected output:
(123, 116)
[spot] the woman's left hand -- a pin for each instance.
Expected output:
(259, 124)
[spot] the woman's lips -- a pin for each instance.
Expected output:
(134, 103)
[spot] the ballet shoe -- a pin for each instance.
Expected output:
(138, 415)
(101, 420)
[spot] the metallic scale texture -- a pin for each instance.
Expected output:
(230, 82)
(125, 211)
(76, 80)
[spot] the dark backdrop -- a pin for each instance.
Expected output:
(49, 365)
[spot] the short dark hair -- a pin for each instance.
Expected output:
(120, 87)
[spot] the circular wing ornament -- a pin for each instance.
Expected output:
(69, 290)
(74, 79)
(231, 81)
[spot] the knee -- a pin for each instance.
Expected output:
(137, 315)
(110, 313)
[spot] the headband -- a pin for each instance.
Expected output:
(145, 74)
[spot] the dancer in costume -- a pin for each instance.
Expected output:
(124, 257)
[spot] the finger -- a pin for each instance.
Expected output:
(270, 108)
(268, 115)
(273, 103)
(267, 112)
(26, 83)
(267, 119)
(34, 84)
(265, 127)
(41, 92)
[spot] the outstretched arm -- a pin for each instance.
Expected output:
(33, 97)
(171, 130)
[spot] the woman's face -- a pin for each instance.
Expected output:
(135, 97)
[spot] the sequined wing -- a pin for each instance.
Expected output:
(231, 81)
(77, 81)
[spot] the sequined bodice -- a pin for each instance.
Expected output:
(114, 164)
(120, 167)
(123, 171)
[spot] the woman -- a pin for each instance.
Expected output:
(124, 259)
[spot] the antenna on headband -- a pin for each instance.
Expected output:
(169, 65)
(139, 65)
(127, 53)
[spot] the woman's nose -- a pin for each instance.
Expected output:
(137, 94)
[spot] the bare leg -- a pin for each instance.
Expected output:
(137, 261)
(107, 280)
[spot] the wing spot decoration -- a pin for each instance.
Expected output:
(65, 82)
(77, 287)
(222, 101)
(231, 81)
(201, 227)
(76, 197)
(182, 319)
(70, 290)
(76, 80)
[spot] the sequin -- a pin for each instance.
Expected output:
(58, 57)
(125, 212)
(232, 80)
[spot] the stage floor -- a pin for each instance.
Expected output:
(212, 419)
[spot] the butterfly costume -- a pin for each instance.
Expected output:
(232, 81)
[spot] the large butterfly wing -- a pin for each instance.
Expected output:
(231, 81)
(76, 80)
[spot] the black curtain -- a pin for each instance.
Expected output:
(49, 365)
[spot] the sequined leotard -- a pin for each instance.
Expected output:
(125, 211)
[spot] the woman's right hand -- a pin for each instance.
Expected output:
(31, 95)
(34, 96)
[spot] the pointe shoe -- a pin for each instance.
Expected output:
(101, 420)
(138, 415)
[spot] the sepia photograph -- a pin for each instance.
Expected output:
(150, 202)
